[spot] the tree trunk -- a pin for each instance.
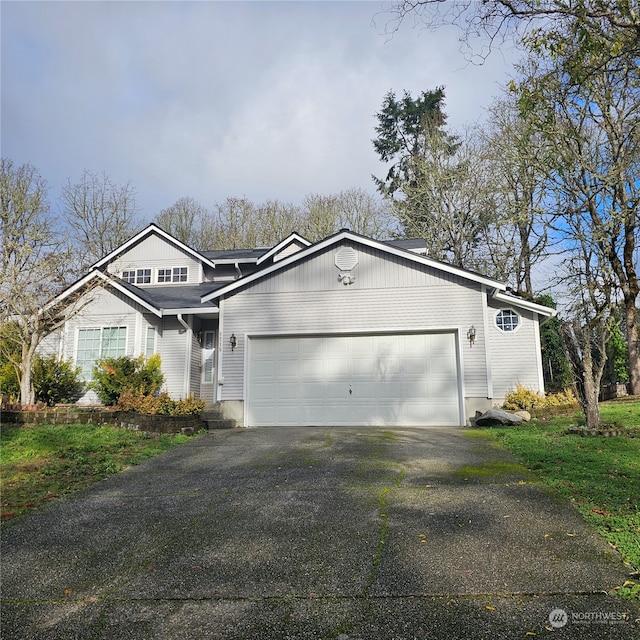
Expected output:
(631, 319)
(27, 395)
(587, 373)
(590, 404)
(26, 392)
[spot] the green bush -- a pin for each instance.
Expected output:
(54, 380)
(9, 384)
(140, 376)
(161, 404)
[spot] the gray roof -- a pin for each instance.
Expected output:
(407, 243)
(235, 254)
(182, 296)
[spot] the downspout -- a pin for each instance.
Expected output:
(237, 266)
(183, 322)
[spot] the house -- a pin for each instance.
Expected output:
(345, 331)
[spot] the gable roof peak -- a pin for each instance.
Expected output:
(151, 229)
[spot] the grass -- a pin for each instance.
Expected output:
(600, 475)
(42, 463)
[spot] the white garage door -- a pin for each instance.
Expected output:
(405, 380)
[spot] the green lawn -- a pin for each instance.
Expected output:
(41, 463)
(600, 475)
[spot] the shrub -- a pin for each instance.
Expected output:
(140, 376)
(9, 384)
(190, 406)
(54, 380)
(161, 404)
(526, 399)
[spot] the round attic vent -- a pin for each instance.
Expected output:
(346, 258)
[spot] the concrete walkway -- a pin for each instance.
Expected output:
(287, 533)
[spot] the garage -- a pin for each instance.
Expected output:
(409, 379)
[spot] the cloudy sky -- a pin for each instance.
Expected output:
(268, 100)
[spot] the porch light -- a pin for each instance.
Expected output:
(471, 335)
(233, 341)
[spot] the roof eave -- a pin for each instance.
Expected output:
(348, 235)
(540, 309)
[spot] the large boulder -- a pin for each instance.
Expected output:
(496, 417)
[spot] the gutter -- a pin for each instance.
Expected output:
(182, 321)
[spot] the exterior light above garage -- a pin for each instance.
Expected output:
(471, 335)
(233, 341)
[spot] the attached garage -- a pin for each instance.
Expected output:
(408, 379)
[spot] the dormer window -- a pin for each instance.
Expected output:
(174, 274)
(137, 276)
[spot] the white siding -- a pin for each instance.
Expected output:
(514, 356)
(195, 373)
(426, 303)
(375, 270)
(175, 355)
(156, 253)
(105, 309)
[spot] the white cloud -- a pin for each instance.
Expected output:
(267, 100)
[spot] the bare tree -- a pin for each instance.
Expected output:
(366, 214)
(592, 131)
(447, 201)
(516, 173)
(610, 26)
(276, 221)
(184, 220)
(588, 327)
(33, 269)
(320, 216)
(100, 216)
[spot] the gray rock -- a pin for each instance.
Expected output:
(497, 417)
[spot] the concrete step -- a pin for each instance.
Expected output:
(214, 418)
(219, 423)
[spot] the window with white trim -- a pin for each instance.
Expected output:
(173, 274)
(208, 347)
(137, 276)
(507, 320)
(96, 343)
(150, 346)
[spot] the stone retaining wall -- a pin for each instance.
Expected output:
(134, 421)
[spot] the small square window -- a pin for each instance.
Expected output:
(164, 275)
(179, 274)
(507, 320)
(129, 276)
(143, 276)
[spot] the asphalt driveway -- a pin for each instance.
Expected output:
(287, 533)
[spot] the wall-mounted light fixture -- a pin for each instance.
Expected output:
(199, 336)
(471, 335)
(233, 341)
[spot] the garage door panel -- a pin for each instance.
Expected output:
(402, 380)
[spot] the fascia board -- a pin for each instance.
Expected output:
(525, 304)
(236, 261)
(152, 228)
(294, 237)
(190, 311)
(374, 244)
(430, 262)
(107, 280)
